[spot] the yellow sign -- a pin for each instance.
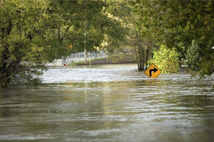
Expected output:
(153, 71)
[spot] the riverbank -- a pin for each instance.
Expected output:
(108, 60)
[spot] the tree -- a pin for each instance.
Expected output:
(35, 32)
(94, 23)
(115, 26)
(28, 35)
(175, 23)
(133, 43)
(193, 57)
(144, 39)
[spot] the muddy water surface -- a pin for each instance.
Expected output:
(109, 103)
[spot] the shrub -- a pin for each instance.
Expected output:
(192, 57)
(166, 60)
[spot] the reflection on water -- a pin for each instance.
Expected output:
(123, 105)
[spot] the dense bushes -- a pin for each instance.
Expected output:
(166, 60)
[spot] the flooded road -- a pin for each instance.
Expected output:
(109, 103)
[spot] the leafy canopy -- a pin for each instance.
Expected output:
(33, 32)
(177, 23)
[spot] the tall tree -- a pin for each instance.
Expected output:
(34, 32)
(177, 23)
(28, 35)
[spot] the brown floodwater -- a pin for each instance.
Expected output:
(109, 103)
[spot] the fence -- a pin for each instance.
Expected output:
(77, 57)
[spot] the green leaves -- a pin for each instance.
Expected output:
(174, 22)
(37, 31)
(166, 60)
(192, 56)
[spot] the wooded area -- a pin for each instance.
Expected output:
(34, 32)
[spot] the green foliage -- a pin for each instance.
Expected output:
(192, 57)
(174, 22)
(34, 32)
(206, 68)
(166, 60)
(28, 35)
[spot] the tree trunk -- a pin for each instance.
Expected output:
(143, 65)
(147, 56)
(4, 79)
(7, 69)
(4, 74)
(140, 66)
